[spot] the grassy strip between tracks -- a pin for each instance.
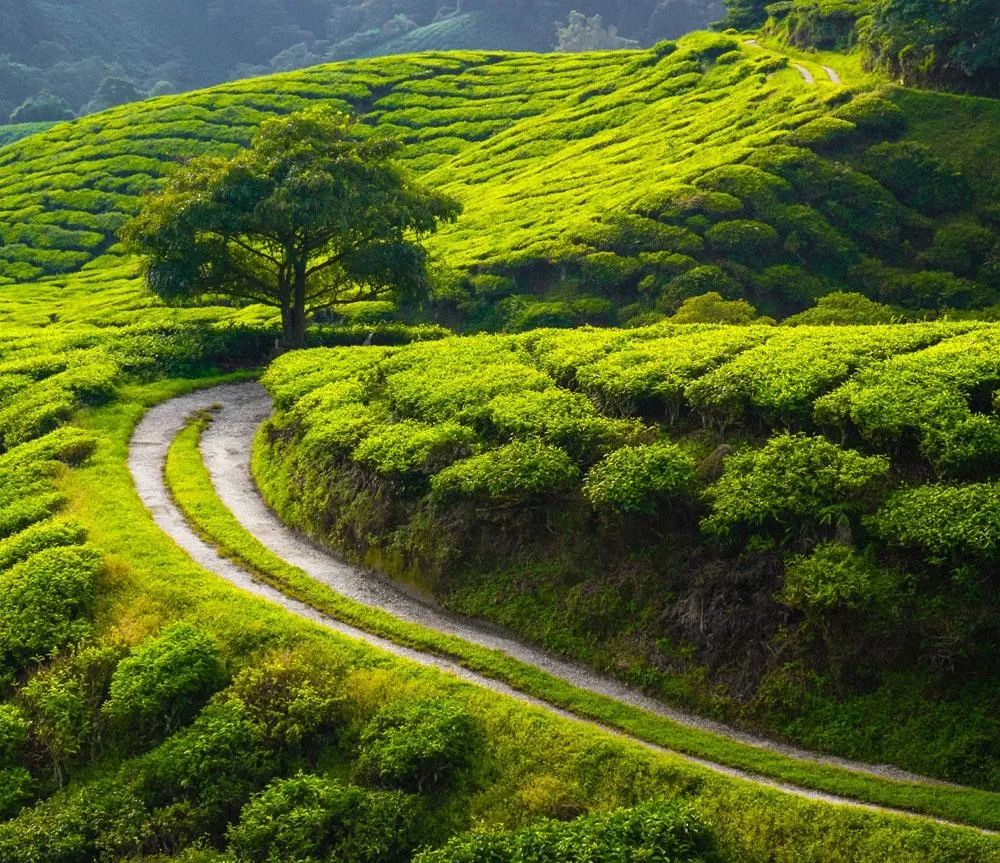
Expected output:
(192, 489)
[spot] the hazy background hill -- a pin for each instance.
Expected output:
(91, 54)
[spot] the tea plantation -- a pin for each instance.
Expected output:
(790, 527)
(624, 182)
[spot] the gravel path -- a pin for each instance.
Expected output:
(807, 76)
(226, 447)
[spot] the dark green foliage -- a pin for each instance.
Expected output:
(113, 91)
(199, 779)
(824, 24)
(932, 43)
(917, 177)
(836, 576)
(164, 683)
(43, 108)
(964, 248)
(654, 832)
(744, 14)
(313, 819)
(16, 783)
(63, 705)
(743, 240)
(417, 745)
(100, 818)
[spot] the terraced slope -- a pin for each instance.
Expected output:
(626, 179)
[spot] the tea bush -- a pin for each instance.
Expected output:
(45, 601)
(418, 745)
(164, 683)
(654, 831)
(638, 479)
(507, 475)
(313, 819)
(795, 483)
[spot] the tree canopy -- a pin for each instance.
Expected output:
(945, 43)
(314, 213)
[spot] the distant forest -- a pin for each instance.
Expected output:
(60, 59)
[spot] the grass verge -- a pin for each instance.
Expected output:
(191, 486)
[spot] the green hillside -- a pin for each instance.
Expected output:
(785, 526)
(621, 180)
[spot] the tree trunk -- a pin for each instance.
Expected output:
(286, 324)
(295, 331)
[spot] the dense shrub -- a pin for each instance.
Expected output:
(927, 43)
(294, 700)
(711, 308)
(63, 702)
(698, 281)
(26, 511)
(16, 783)
(164, 683)
(564, 419)
(874, 114)
(924, 395)
(100, 819)
(795, 483)
(412, 447)
(919, 178)
(510, 474)
(825, 133)
(37, 537)
(836, 576)
(757, 189)
(654, 832)
(45, 602)
(199, 779)
(417, 745)
(637, 479)
(962, 247)
(313, 819)
(947, 523)
(843, 308)
(744, 240)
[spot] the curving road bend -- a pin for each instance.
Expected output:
(226, 447)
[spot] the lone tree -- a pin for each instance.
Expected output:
(314, 213)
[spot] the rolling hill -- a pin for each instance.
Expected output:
(624, 182)
(790, 528)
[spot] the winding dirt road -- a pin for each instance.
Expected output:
(226, 448)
